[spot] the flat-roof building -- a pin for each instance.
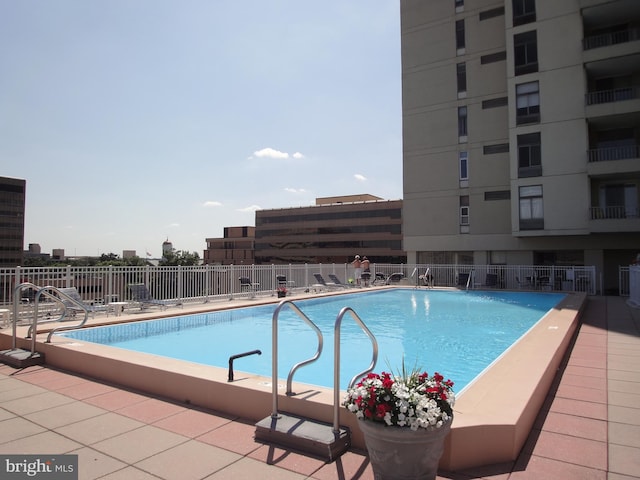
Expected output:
(332, 231)
(235, 248)
(521, 132)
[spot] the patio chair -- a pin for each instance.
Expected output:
(248, 286)
(140, 294)
(380, 279)
(394, 278)
(491, 280)
(73, 302)
(322, 283)
(282, 282)
(337, 281)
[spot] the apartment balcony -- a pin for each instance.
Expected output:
(615, 101)
(614, 219)
(613, 160)
(609, 39)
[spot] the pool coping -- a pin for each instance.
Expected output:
(483, 411)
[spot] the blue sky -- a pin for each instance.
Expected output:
(134, 121)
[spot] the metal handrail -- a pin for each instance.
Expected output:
(80, 305)
(336, 361)
(274, 352)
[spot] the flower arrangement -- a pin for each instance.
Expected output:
(282, 291)
(414, 399)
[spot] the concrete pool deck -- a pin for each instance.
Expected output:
(588, 427)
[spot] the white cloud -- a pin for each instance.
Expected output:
(295, 190)
(360, 178)
(173, 225)
(250, 208)
(270, 153)
(298, 155)
(211, 203)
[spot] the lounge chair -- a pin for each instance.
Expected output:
(337, 281)
(140, 294)
(247, 286)
(322, 283)
(394, 278)
(380, 279)
(73, 302)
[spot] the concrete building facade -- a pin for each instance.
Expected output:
(521, 132)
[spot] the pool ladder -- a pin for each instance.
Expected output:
(20, 357)
(327, 441)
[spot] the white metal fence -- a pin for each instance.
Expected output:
(200, 284)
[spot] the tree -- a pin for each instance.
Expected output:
(180, 257)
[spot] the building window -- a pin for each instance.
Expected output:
(494, 12)
(495, 102)
(462, 121)
(493, 57)
(464, 210)
(460, 44)
(525, 52)
(461, 75)
(531, 213)
(495, 148)
(463, 160)
(527, 103)
(459, 4)
(497, 195)
(529, 155)
(524, 11)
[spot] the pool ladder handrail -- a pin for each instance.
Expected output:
(274, 351)
(336, 361)
(56, 295)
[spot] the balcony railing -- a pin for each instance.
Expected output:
(612, 213)
(612, 38)
(614, 95)
(606, 154)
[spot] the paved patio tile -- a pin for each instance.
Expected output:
(575, 426)
(250, 469)
(138, 444)
(569, 449)
(624, 460)
(94, 464)
(582, 393)
(45, 442)
(626, 415)
(64, 414)
(150, 410)
(15, 428)
(129, 473)
(352, 464)
(98, 428)
(540, 468)
(116, 399)
(86, 389)
(235, 436)
(621, 434)
(192, 423)
(287, 459)
(191, 460)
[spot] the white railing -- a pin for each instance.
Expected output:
(199, 284)
(633, 272)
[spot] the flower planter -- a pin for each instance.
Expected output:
(282, 294)
(399, 453)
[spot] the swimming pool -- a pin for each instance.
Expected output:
(456, 333)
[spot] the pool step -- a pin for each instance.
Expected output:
(305, 435)
(20, 358)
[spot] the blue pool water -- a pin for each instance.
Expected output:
(455, 333)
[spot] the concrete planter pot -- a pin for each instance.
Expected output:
(398, 453)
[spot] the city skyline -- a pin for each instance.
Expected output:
(136, 122)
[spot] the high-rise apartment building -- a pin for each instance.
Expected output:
(521, 132)
(12, 206)
(236, 247)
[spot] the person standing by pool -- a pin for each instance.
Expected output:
(357, 269)
(366, 270)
